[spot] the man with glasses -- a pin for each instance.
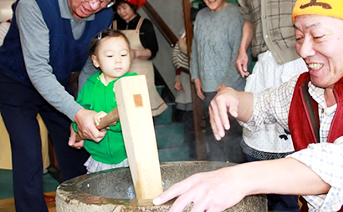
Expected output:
(46, 42)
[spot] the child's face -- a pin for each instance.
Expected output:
(113, 57)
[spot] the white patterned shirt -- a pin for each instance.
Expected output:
(4, 26)
(325, 159)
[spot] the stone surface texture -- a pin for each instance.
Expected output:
(112, 190)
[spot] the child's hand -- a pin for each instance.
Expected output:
(72, 140)
(98, 116)
(178, 84)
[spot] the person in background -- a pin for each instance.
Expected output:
(46, 42)
(273, 44)
(217, 36)
(308, 105)
(110, 53)
(4, 26)
(183, 98)
(144, 46)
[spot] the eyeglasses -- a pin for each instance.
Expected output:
(108, 2)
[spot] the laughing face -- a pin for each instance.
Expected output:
(113, 57)
(215, 5)
(319, 41)
(85, 8)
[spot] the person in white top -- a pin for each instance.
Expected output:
(4, 26)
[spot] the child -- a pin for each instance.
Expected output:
(110, 53)
(183, 98)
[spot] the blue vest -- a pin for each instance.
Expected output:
(66, 54)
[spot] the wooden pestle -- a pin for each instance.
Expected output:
(139, 135)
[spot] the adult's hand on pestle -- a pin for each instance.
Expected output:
(208, 191)
(86, 126)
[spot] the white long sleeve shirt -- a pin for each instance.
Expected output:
(325, 159)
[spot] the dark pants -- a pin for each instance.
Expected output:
(228, 148)
(19, 106)
(278, 202)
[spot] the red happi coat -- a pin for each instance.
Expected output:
(299, 121)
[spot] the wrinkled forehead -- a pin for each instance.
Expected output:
(306, 22)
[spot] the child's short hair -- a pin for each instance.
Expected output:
(105, 33)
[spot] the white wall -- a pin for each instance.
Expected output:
(5, 9)
(171, 13)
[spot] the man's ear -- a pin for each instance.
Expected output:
(95, 61)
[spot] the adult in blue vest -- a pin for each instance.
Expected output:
(46, 42)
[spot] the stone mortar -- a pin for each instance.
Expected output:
(112, 190)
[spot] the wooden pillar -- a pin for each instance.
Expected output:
(197, 102)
